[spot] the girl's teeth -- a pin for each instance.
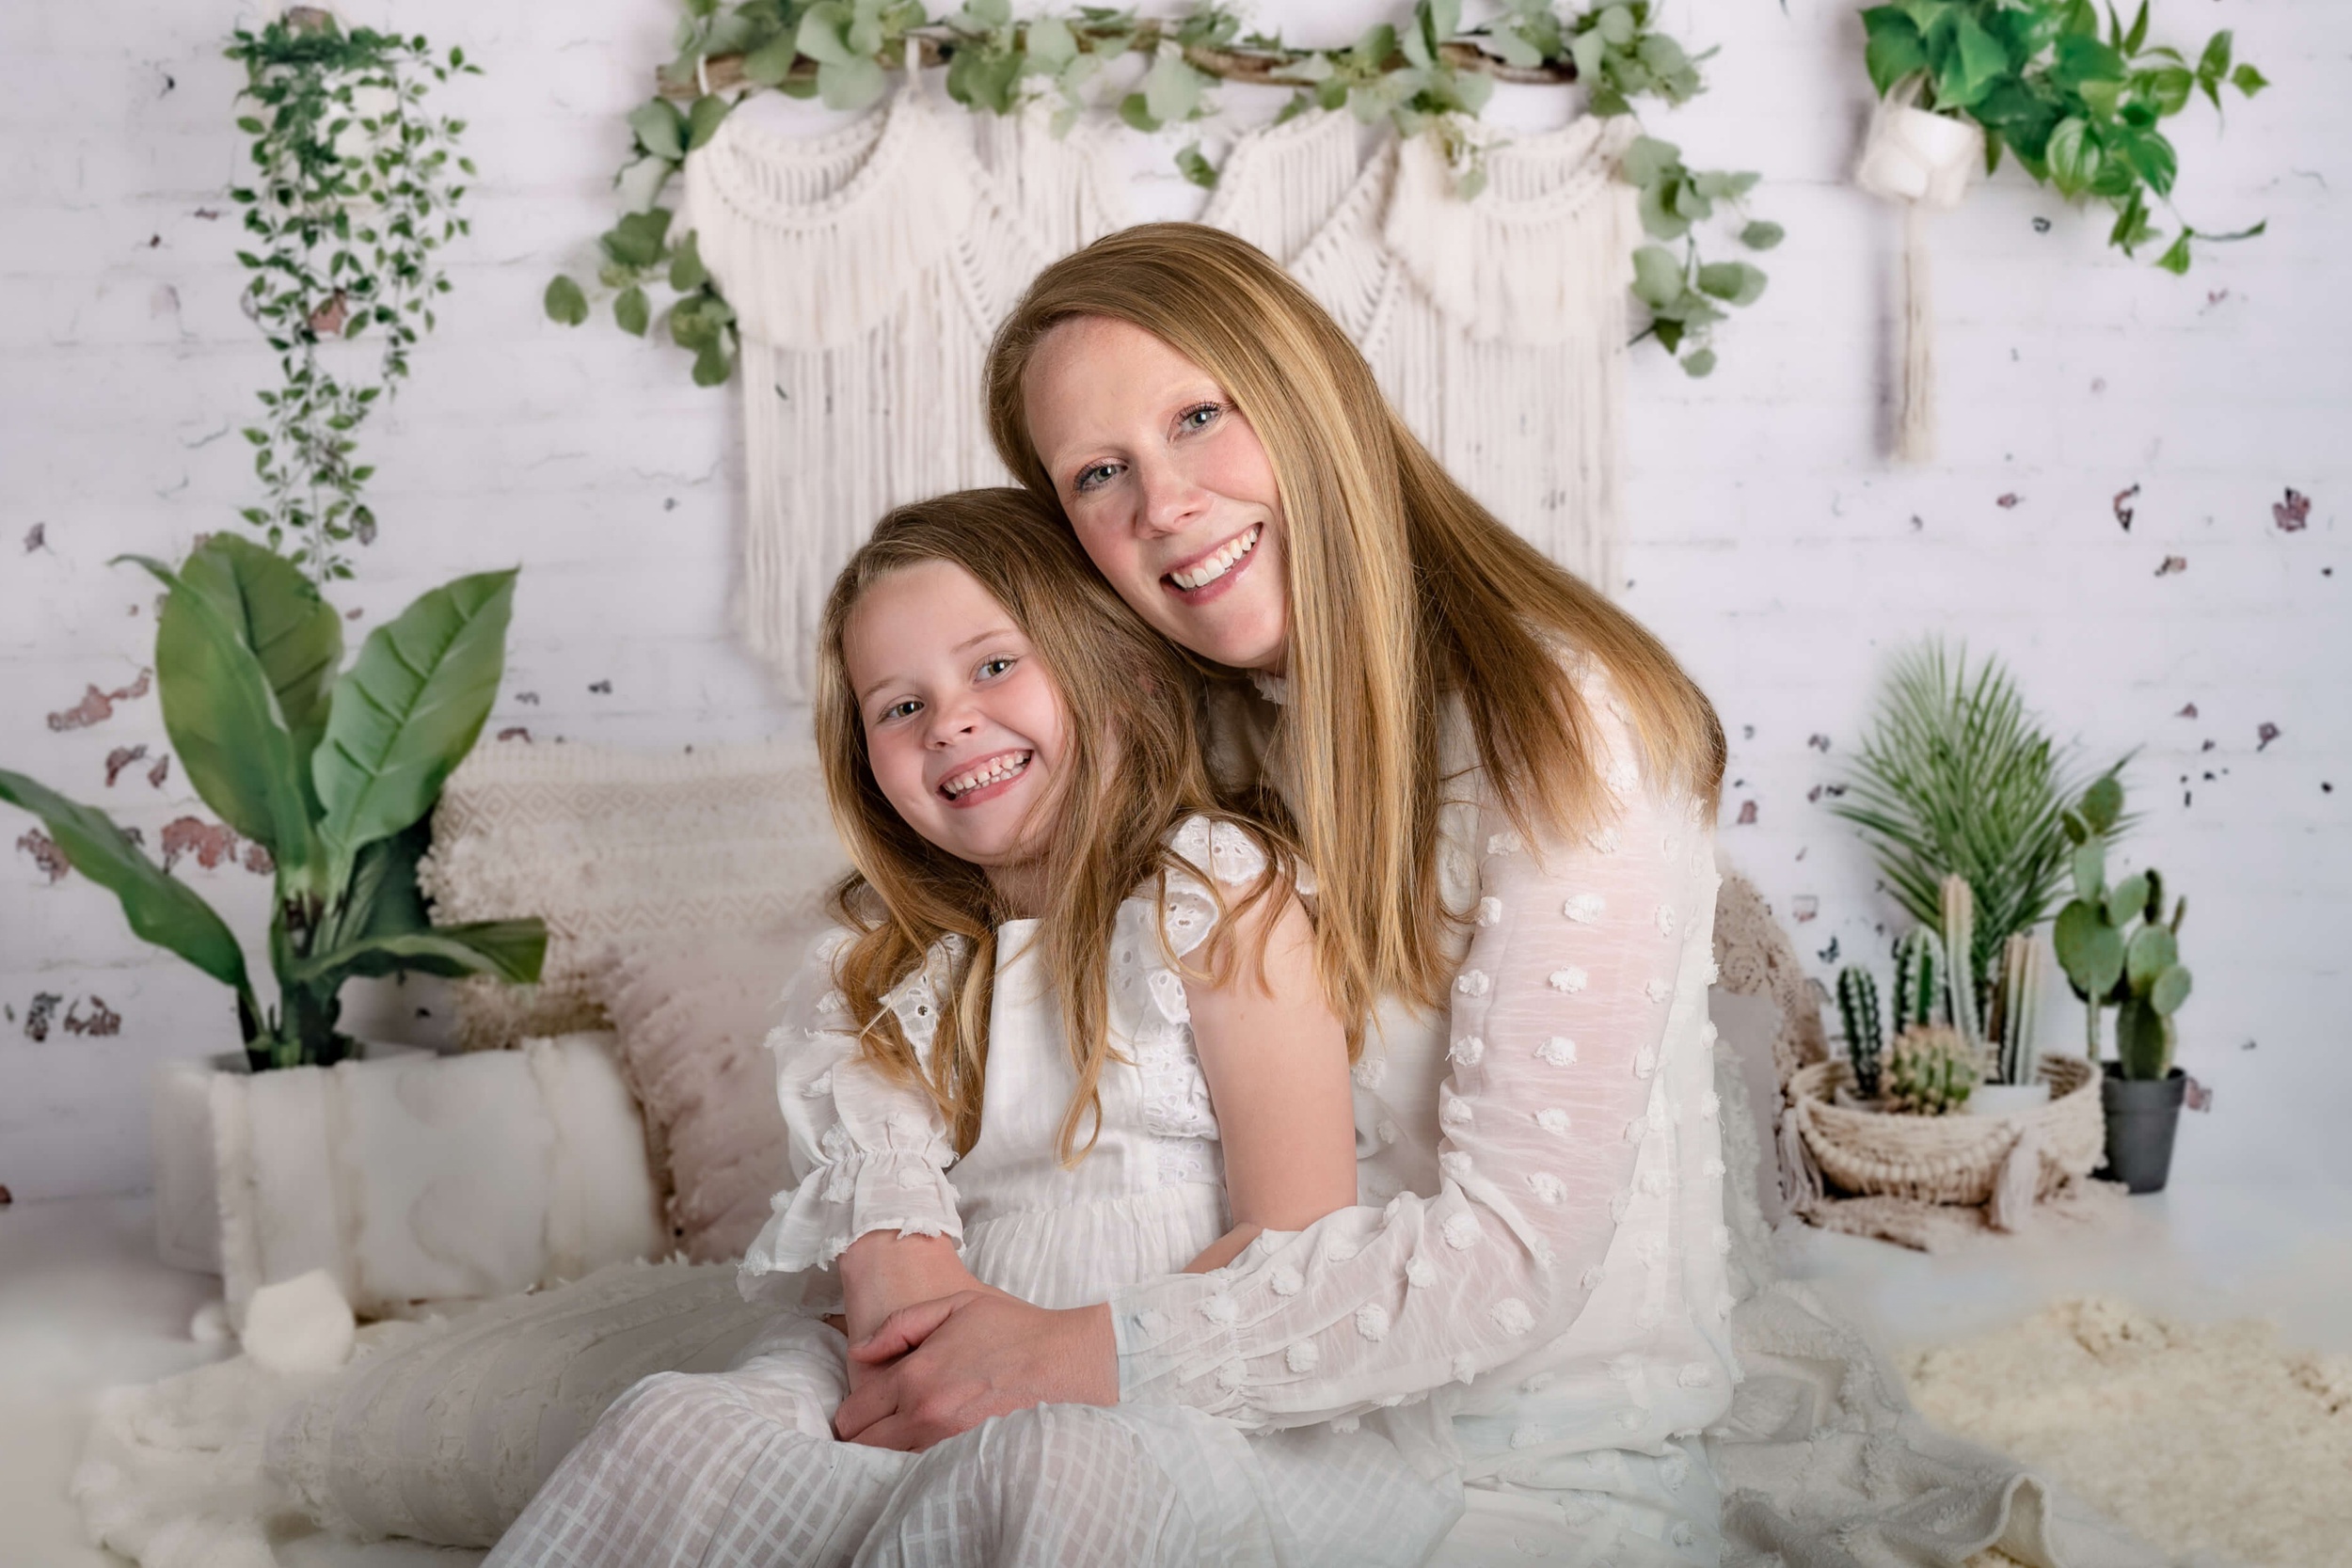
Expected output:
(1002, 768)
(1218, 564)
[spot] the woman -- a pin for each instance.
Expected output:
(1506, 788)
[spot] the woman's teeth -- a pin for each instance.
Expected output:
(1204, 573)
(987, 773)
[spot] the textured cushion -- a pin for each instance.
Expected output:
(693, 1020)
(613, 848)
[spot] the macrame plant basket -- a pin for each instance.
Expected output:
(2009, 1162)
(1924, 162)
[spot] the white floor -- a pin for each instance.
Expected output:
(84, 1305)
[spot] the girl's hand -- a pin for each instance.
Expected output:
(884, 1271)
(943, 1367)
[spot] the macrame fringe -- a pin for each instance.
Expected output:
(1281, 183)
(1915, 436)
(2018, 1184)
(1801, 1183)
(1063, 186)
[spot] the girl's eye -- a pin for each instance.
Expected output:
(1101, 474)
(990, 669)
(900, 711)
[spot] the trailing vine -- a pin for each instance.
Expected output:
(2080, 111)
(353, 191)
(1429, 76)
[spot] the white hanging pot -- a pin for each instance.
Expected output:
(1925, 162)
(2007, 1100)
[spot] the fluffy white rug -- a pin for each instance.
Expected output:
(2211, 1441)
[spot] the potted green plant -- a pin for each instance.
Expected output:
(2119, 950)
(331, 771)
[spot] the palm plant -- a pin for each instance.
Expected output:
(1955, 778)
(333, 771)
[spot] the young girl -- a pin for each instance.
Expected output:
(1104, 988)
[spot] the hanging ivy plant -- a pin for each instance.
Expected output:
(2080, 107)
(355, 186)
(1427, 75)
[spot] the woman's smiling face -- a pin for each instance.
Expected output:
(963, 724)
(1167, 487)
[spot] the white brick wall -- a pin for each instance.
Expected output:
(1769, 542)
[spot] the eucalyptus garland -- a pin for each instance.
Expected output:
(354, 189)
(1427, 75)
(2080, 107)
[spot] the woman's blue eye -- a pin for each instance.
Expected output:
(1194, 419)
(1089, 477)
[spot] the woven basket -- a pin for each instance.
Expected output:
(1951, 1159)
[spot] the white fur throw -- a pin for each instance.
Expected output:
(613, 847)
(421, 1177)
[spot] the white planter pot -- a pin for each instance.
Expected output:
(180, 1127)
(2007, 1100)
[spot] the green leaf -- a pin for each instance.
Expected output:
(853, 84)
(2175, 259)
(1761, 235)
(2073, 156)
(1137, 112)
(2125, 898)
(1171, 88)
(637, 239)
(687, 272)
(1895, 51)
(2103, 803)
(1050, 44)
(223, 719)
(661, 129)
(160, 909)
(2152, 159)
(1734, 282)
(771, 62)
(1699, 362)
(711, 365)
(1647, 161)
(1658, 279)
(278, 614)
(821, 34)
(2247, 80)
(2168, 990)
(2149, 952)
(2138, 34)
(2076, 61)
(2214, 63)
(564, 302)
(2089, 950)
(512, 950)
(631, 311)
(1196, 167)
(703, 119)
(1976, 61)
(411, 709)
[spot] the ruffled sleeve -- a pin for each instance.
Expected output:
(1588, 960)
(867, 1152)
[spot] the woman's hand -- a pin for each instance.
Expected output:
(943, 1367)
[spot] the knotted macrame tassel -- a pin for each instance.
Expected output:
(2018, 1183)
(1801, 1183)
(1915, 433)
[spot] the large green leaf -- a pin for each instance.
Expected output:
(161, 910)
(223, 719)
(383, 898)
(511, 949)
(276, 611)
(410, 708)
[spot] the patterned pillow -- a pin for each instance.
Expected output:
(617, 848)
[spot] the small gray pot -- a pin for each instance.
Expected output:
(2142, 1116)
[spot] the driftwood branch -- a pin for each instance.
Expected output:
(1264, 67)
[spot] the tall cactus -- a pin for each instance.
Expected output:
(2020, 1004)
(1918, 979)
(1960, 931)
(1858, 1008)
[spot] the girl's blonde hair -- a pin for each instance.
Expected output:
(1130, 771)
(1403, 591)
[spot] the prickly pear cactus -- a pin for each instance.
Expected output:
(1932, 1070)
(2116, 947)
(1858, 1009)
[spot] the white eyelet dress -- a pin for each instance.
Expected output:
(1536, 1281)
(740, 1466)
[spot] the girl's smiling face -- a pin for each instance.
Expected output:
(1169, 490)
(963, 724)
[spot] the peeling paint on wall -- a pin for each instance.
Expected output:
(45, 854)
(121, 758)
(2293, 514)
(211, 842)
(100, 1021)
(97, 706)
(36, 1017)
(162, 770)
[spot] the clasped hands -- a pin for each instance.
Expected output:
(934, 1352)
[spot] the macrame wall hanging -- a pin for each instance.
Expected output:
(1922, 161)
(869, 266)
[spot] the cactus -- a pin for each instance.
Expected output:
(1960, 932)
(1918, 979)
(1858, 1008)
(2117, 948)
(2018, 1006)
(1932, 1070)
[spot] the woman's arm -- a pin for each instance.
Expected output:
(1276, 1061)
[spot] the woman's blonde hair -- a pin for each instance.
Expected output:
(1402, 590)
(1130, 771)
